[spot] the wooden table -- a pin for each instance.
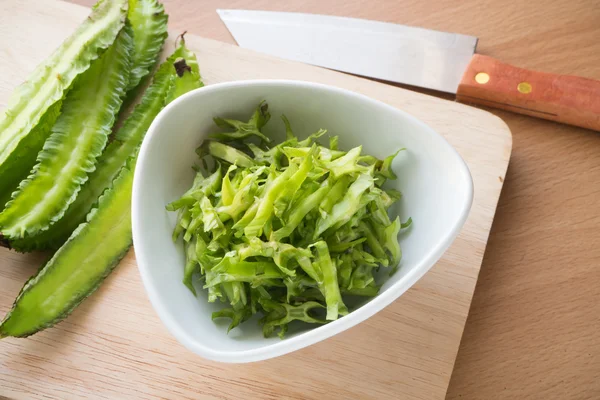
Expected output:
(534, 322)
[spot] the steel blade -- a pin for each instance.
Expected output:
(391, 52)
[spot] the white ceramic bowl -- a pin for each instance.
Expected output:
(435, 181)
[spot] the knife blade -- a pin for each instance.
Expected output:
(416, 56)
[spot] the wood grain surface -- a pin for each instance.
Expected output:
(114, 346)
(532, 330)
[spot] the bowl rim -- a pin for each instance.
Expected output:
(319, 333)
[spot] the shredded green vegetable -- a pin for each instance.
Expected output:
(286, 231)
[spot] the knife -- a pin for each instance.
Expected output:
(436, 60)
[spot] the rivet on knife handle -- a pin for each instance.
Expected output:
(569, 99)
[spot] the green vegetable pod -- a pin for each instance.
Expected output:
(78, 267)
(76, 140)
(95, 247)
(35, 104)
(125, 143)
(149, 23)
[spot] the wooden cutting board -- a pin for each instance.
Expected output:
(114, 346)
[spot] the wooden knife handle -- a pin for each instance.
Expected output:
(568, 99)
